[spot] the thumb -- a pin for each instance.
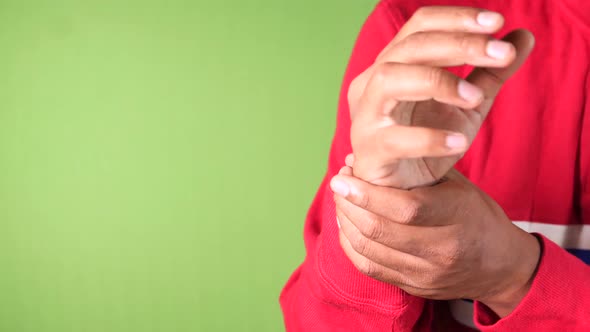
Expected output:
(490, 80)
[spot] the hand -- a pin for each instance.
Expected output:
(411, 119)
(446, 241)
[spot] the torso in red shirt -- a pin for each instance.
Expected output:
(532, 156)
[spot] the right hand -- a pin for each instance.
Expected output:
(412, 119)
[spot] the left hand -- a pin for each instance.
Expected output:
(447, 241)
(410, 118)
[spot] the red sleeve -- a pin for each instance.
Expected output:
(327, 293)
(584, 165)
(559, 299)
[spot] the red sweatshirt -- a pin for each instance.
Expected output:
(532, 156)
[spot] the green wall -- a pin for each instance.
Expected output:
(157, 158)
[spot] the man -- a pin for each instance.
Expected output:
(404, 226)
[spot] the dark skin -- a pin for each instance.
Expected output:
(407, 218)
(446, 241)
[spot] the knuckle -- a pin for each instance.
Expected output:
(369, 269)
(362, 200)
(411, 45)
(373, 228)
(435, 77)
(453, 255)
(361, 244)
(470, 45)
(412, 210)
(464, 44)
(380, 75)
(421, 14)
(354, 90)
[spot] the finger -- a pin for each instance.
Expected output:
(452, 19)
(490, 80)
(388, 257)
(414, 285)
(441, 49)
(418, 241)
(349, 160)
(369, 232)
(427, 206)
(346, 170)
(447, 49)
(393, 82)
(401, 206)
(371, 268)
(405, 142)
(435, 18)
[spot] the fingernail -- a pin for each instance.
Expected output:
(339, 187)
(469, 91)
(338, 222)
(489, 19)
(498, 49)
(456, 141)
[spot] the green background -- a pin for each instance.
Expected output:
(157, 158)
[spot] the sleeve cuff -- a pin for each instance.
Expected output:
(559, 297)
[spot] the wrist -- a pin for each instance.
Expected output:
(519, 282)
